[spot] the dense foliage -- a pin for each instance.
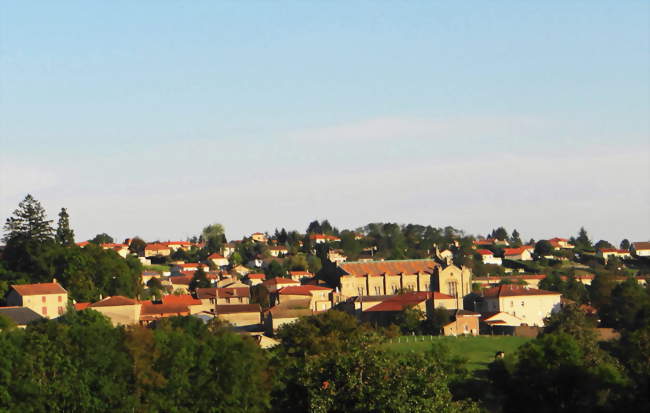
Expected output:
(80, 363)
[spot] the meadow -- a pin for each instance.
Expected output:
(479, 350)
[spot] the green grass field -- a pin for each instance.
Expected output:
(156, 267)
(478, 350)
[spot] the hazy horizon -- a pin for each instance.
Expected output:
(156, 119)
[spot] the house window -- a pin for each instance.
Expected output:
(377, 290)
(522, 303)
(60, 298)
(44, 310)
(43, 298)
(360, 290)
(512, 304)
(60, 310)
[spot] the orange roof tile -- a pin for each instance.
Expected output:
(403, 301)
(392, 267)
(513, 290)
(39, 289)
(116, 300)
(184, 299)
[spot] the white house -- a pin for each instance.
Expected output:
(488, 257)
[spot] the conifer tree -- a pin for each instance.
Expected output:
(29, 223)
(64, 235)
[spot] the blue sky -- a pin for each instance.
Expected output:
(157, 118)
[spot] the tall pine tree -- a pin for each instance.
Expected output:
(64, 235)
(29, 223)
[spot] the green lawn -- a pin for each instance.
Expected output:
(156, 267)
(478, 350)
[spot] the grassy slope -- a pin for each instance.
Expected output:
(478, 350)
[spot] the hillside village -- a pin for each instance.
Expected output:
(478, 285)
(297, 315)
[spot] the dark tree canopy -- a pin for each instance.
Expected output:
(102, 238)
(64, 234)
(28, 223)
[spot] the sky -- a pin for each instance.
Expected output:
(157, 118)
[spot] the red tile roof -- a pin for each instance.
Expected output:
(112, 245)
(116, 300)
(156, 247)
(150, 310)
(515, 251)
(185, 243)
(393, 267)
(484, 242)
(181, 279)
(325, 237)
(81, 306)
(233, 292)
(615, 250)
(280, 280)
(513, 290)
(300, 274)
(204, 293)
(39, 289)
(403, 301)
(216, 256)
(83, 243)
(184, 299)
(256, 276)
(485, 252)
(641, 245)
(302, 289)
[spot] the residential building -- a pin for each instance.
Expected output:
(530, 305)
(641, 249)
(488, 257)
(178, 245)
(319, 296)
(188, 267)
(243, 316)
(46, 299)
(278, 251)
(463, 322)
(157, 250)
(300, 276)
(120, 310)
(218, 260)
(228, 249)
(259, 237)
(279, 315)
(20, 316)
(255, 279)
(606, 253)
(518, 254)
(384, 312)
(121, 249)
(336, 255)
(560, 243)
(322, 238)
(274, 284)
